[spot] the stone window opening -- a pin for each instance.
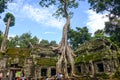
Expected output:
(44, 72)
(53, 71)
(69, 69)
(90, 69)
(42, 55)
(78, 69)
(100, 67)
(119, 60)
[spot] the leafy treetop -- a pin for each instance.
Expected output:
(60, 11)
(12, 21)
(112, 6)
(3, 5)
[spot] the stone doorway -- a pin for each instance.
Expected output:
(69, 69)
(78, 69)
(100, 67)
(13, 69)
(119, 60)
(53, 71)
(43, 72)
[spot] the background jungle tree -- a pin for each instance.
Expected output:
(112, 7)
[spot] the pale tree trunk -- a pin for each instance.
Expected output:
(3, 45)
(66, 51)
(92, 68)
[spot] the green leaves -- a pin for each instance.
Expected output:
(78, 37)
(22, 41)
(1, 37)
(3, 5)
(73, 4)
(112, 6)
(12, 21)
(25, 39)
(99, 34)
(44, 43)
(47, 3)
(53, 43)
(113, 29)
(99, 5)
(59, 5)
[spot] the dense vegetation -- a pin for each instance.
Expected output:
(24, 41)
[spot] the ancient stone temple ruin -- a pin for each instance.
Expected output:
(93, 57)
(100, 54)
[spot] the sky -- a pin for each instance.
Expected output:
(32, 18)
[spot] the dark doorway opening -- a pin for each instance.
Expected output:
(53, 71)
(100, 67)
(119, 60)
(42, 55)
(69, 69)
(78, 69)
(43, 72)
(13, 72)
(15, 66)
(90, 69)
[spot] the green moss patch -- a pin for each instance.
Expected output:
(46, 61)
(18, 52)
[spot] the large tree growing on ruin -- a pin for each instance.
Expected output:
(9, 20)
(65, 50)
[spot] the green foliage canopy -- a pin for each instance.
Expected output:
(99, 34)
(53, 43)
(59, 4)
(112, 6)
(3, 5)
(12, 21)
(1, 37)
(22, 41)
(78, 37)
(44, 43)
